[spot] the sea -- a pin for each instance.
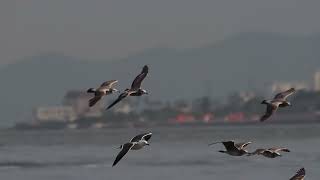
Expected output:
(175, 153)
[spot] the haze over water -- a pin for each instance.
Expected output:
(176, 153)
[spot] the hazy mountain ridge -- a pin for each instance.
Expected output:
(240, 62)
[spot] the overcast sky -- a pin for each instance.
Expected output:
(103, 29)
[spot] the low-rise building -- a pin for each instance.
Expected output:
(247, 96)
(55, 113)
(79, 101)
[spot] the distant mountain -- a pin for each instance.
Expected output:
(241, 62)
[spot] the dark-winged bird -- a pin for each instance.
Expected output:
(104, 89)
(135, 143)
(135, 89)
(270, 153)
(278, 101)
(299, 175)
(234, 149)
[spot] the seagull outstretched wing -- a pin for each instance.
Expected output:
(125, 148)
(285, 94)
(108, 84)
(145, 136)
(121, 96)
(136, 84)
(94, 100)
(271, 108)
(242, 145)
(299, 175)
(279, 149)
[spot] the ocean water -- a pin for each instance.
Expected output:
(176, 153)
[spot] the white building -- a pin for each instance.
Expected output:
(55, 113)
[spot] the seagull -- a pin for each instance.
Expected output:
(278, 101)
(234, 149)
(270, 153)
(299, 175)
(135, 143)
(135, 89)
(104, 89)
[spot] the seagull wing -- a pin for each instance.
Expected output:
(121, 96)
(242, 145)
(279, 149)
(299, 174)
(285, 94)
(145, 136)
(136, 84)
(94, 100)
(271, 108)
(125, 148)
(108, 84)
(229, 145)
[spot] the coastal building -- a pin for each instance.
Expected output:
(124, 108)
(55, 113)
(74, 106)
(247, 96)
(234, 117)
(78, 100)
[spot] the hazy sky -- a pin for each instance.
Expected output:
(103, 29)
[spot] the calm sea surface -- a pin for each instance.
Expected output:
(175, 154)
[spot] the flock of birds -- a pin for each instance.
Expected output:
(231, 148)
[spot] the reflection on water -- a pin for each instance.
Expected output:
(175, 153)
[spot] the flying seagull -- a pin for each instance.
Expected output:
(278, 101)
(270, 153)
(299, 175)
(135, 143)
(135, 89)
(234, 149)
(104, 89)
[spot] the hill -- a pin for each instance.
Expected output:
(241, 62)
